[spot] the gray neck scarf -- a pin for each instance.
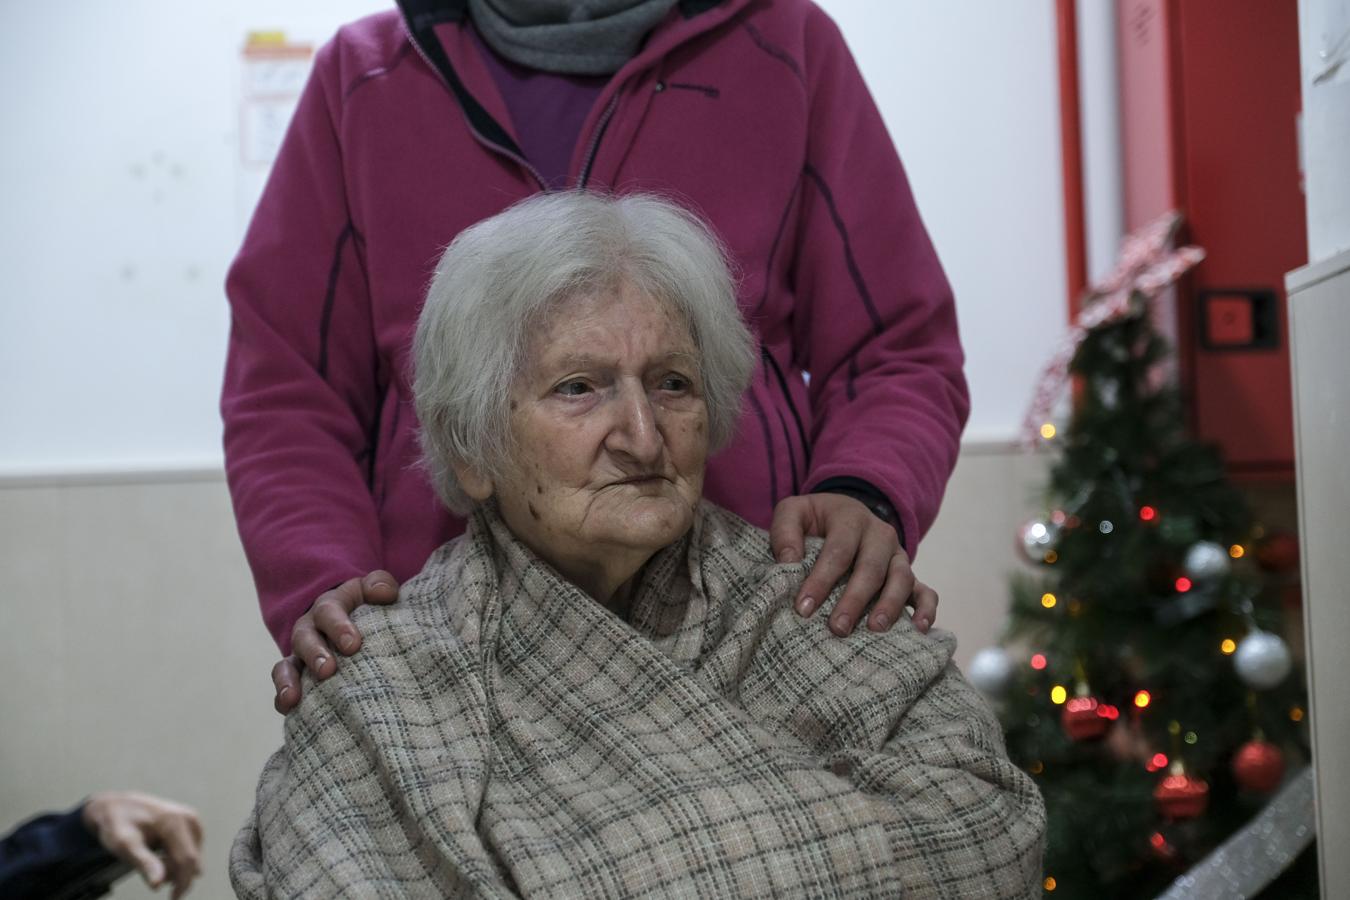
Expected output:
(570, 37)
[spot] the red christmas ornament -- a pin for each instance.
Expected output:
(1278, 552)
(1181, 796)
(1086, 718)
(1258, 766)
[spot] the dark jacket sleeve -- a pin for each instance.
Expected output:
(40, 856)
(300, 399)
(878, 326)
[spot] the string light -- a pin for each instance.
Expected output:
(1051, 556)
(1105, 526)
(1048, 600)
(1048, 430)
(1237, 551)
(1147, 513)
(1037, 767)
(1157, 840)
(1192, 737)
(1296, 714)
(1228, 646)
(1157, 763)
(1050, 884)
(1058, 694)
(1038, 661)
(1142, 699)
(1183, 584)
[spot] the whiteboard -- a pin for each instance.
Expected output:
(127, 192)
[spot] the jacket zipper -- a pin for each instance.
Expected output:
(478, 136)
(595, 141)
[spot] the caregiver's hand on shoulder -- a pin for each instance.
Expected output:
(328, 624)
(856, 538)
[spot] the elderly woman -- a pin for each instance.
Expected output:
(600, 689)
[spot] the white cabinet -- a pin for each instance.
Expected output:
(1319, 324)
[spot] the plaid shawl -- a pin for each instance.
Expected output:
(501, 734)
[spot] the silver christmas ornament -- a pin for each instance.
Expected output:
(991, 670)
(1206, 561)
(1037, 537)
(1262, 660)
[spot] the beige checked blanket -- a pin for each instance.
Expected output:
(501, 734)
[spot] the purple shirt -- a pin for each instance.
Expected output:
(546, 108)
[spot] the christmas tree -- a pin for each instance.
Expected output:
(1142, 681)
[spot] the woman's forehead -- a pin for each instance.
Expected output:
(609, 325)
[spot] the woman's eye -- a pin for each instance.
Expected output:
(572, 388)
(677, 383)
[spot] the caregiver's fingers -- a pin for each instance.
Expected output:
(898, 592)
(872, 566)
(793, 519)
(925, 603)
(286, 684)
(312, 649)
(843, 538)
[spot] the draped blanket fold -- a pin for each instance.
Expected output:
(501, 734)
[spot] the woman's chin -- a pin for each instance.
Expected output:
(648, 522)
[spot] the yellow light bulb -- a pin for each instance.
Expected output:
(1047, 431)
(1058, 694)
(1228, 646)
(1048, 600)
(1237, 551)
(1296, 714)
(1051, 884)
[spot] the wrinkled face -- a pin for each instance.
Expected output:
(611, 428)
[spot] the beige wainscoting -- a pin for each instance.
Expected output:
(132, 653)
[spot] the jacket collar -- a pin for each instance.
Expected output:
(419, 13)
(422, 16)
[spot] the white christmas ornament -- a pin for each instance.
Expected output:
(991, 670)
(1262, 660)
(1206, 561)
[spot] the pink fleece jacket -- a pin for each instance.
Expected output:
(751, 113)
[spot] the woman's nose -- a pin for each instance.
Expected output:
(634, 432)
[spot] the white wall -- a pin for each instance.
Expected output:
(969, 92)
(1324, 50)
(125, 199)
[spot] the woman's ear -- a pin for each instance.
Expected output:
(478, 486)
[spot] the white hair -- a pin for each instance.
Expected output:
(498, 282)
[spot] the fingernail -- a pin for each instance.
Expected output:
(805, 605)
(787, 556)
(921, 623)
(346, 642)
(284, 693)
(841, 624)
(878, 622)
(319, 662)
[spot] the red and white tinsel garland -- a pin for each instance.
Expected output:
(1147, 264)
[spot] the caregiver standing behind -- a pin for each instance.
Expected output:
(419, 123)
(601, 688)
